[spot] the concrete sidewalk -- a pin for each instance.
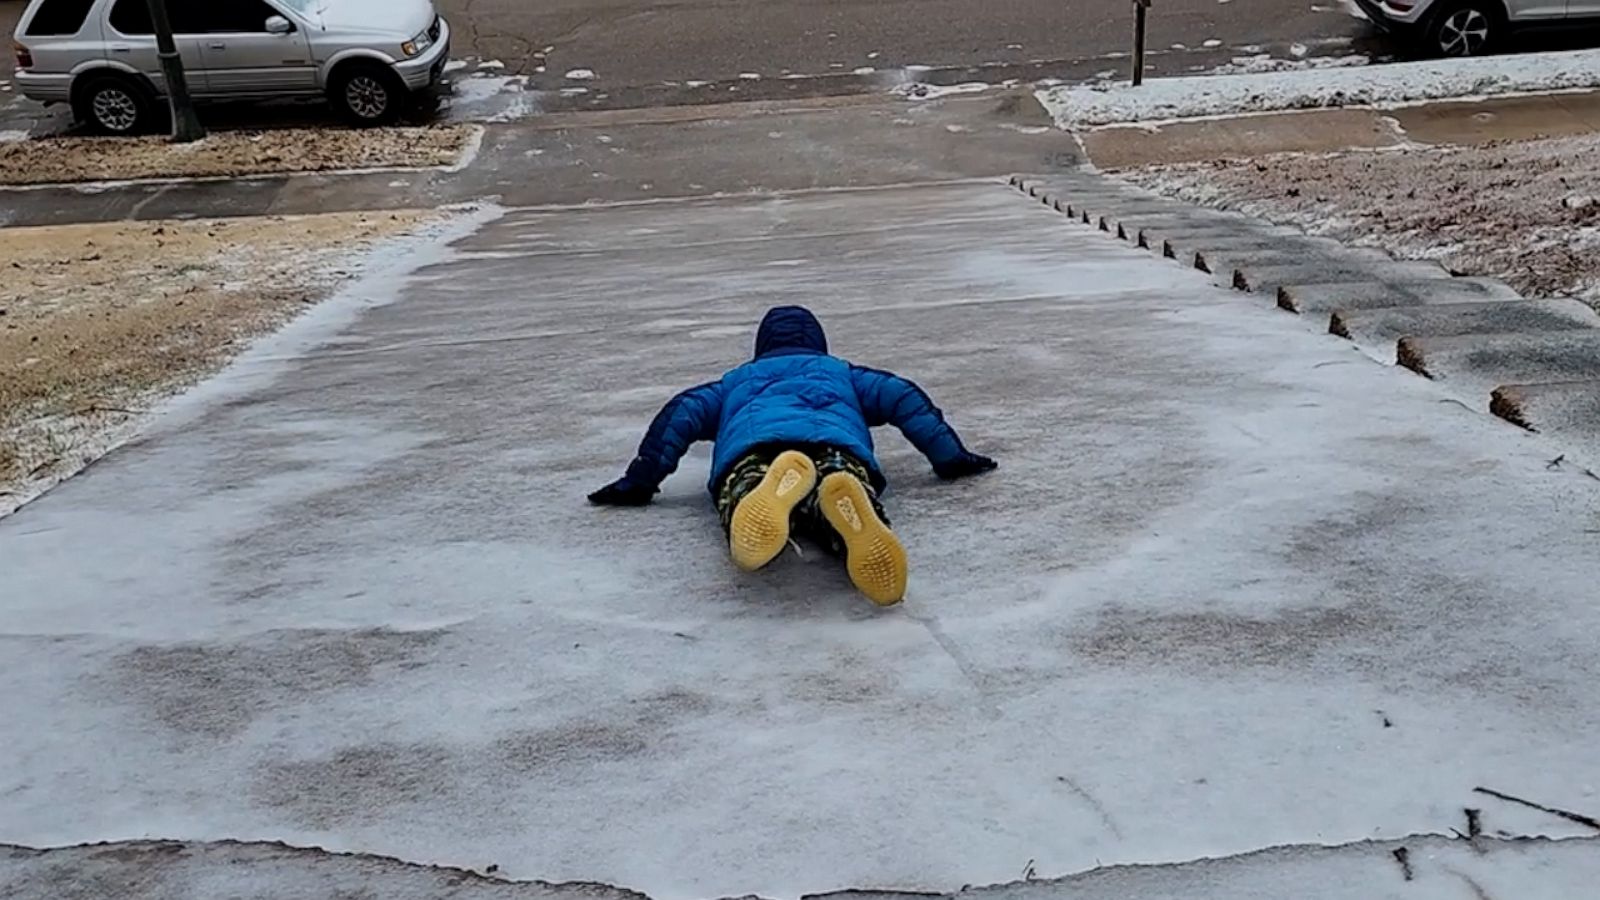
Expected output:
(1216, 599)
(1445, 123)
(627, 155)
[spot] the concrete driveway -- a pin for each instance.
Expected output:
(1234, 587)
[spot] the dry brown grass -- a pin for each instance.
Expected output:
(231, 153)
(1526, 212)
(97, 320)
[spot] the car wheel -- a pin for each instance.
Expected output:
(115, 104)
(368, 94)
(1471, 28)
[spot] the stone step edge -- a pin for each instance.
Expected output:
(1502, 399)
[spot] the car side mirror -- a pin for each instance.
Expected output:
(278, 25)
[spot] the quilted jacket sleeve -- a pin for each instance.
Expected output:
(888, 399)
(689, 417)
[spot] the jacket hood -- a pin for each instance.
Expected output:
(790, 329)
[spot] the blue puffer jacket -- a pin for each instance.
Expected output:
(792, 394)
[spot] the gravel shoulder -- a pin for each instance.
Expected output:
(230, 154)
(99, 321)
(1526, 212)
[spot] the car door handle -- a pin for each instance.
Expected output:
(217, 45)
(119, 48)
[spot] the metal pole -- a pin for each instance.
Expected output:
(185, 124)
(1139, 7)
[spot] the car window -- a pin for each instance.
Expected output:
(195, 16)
(59, 18)
(212, 17)
(131, 17)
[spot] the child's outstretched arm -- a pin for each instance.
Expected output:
(691, 416)
(888, 399)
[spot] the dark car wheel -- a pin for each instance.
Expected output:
(115, 105)
(1470, 28)
(368, 94)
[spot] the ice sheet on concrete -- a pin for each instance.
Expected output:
(1440, 869)
(1082, 106)
(1235, 586)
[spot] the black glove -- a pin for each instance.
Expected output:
(965, 465)
(622, 492)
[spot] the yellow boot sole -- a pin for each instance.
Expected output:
(760, 527)
(873, 555)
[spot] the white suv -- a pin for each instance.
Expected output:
(1472, 27)
(100, 55)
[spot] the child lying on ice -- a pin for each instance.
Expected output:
(793, 446)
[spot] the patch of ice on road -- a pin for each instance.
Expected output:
(696, 84)
(874, 55)
(574, 91)
(1333, 86)
(455, 65)
(489, 64)
(957, 129)
(580, 74)
(917, 90)
(479, 88)
(1298, 50)
(863, 70)
(1180, 46)
(919, 67)
(1211, 42)
(750, 76)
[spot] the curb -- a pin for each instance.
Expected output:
(1534, 363)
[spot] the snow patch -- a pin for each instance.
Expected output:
(917, 90)
(13, 135)
(1395, 84)
(1266, 62)
(580, 74)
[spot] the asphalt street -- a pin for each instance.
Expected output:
(648, 53)
(632, 43)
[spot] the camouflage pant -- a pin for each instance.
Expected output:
(807, 519)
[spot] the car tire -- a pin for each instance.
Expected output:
(1466, 28)
(115, 104)
(368, 94)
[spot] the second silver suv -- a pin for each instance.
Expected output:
(1473, 27)
(100, 55)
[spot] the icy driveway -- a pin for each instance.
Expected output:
(1234, 585)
